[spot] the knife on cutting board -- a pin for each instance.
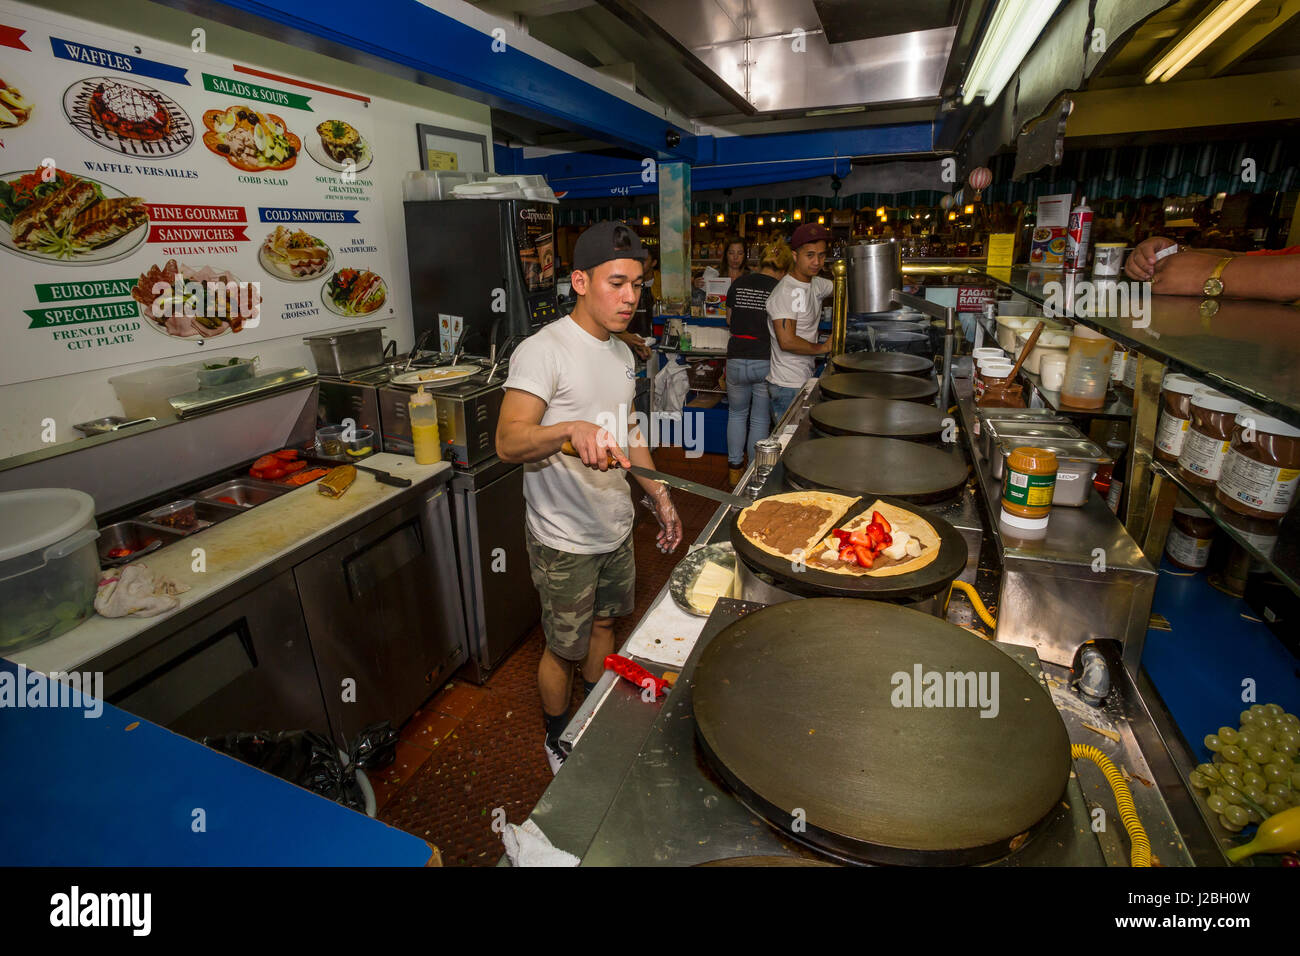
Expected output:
(693, 487)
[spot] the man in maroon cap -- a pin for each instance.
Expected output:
(794, 311)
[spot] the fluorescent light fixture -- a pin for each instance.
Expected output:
(1202, 35)
(1014, 27)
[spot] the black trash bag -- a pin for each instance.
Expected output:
(375, 747)
(311, 760)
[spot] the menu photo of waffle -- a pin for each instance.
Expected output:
(51, 215)
(128, 117)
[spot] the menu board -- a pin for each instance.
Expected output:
(156, 203)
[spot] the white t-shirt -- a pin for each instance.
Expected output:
(801, 301)
(572, 507)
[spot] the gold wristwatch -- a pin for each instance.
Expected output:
(1214, 284)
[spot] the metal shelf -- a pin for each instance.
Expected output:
(1283, 561)
(1248, 349)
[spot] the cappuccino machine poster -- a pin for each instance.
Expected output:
(160, 203)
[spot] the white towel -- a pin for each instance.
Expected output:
(136, 590)
(527, 845)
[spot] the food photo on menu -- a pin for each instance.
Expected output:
(182, 301)
(339, 144)
(294, 254)
(128, 117)
(15, 108)
(354, 292)
(251, 140)
(56, 216)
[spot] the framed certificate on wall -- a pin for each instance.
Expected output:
(442, 148)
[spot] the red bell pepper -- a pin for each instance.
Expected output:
(634, 672)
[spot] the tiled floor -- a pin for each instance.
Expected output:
(471, 750)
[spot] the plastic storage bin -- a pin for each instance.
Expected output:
(49, 564)
(145, 393)
(211, 378)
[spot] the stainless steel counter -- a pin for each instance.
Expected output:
(634, 790)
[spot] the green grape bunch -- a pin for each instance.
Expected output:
(1256, 768)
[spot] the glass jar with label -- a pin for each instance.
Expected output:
(1262, 469)
(1187, 545)
(1175, 416)
(1206, 445)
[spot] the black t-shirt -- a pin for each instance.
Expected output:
(747, 301)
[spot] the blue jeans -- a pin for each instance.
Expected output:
(781, 399)
(747, 404)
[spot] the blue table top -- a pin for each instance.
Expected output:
(113, 790)
(1216, 643)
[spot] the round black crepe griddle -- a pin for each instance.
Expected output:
(884, 467)
(881, 417)
(812, 582)
(907, 388)
(800, 708)
(891, 363)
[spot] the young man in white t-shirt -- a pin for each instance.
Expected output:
(565, 378)
(794, 312)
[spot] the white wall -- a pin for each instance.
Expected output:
(397, 105)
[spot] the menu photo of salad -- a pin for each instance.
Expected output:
(354, 292)
(55, 216)
(250, 140)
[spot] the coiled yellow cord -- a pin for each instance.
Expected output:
(980, 609)
(1141, 851)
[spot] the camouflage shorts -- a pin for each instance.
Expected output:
(578, 588)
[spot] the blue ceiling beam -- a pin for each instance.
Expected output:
(725, 162)
(431, 42)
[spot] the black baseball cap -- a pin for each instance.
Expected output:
(604, 242)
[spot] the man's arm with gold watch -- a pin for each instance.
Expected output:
(1276, 278)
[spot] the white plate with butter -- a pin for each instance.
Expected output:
(703, 576)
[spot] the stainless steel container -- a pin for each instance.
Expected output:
(1026, 433)
(338, 353)
(875, 270)
(1077, 460)
(1027, 415)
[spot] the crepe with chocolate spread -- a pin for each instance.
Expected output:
(795, 521)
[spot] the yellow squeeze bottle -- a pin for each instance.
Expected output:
(424, 428)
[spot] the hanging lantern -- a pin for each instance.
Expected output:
(979, 179)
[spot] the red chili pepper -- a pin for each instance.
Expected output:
(630, 670)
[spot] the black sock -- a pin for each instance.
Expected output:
(588, 685)
(554, 727)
